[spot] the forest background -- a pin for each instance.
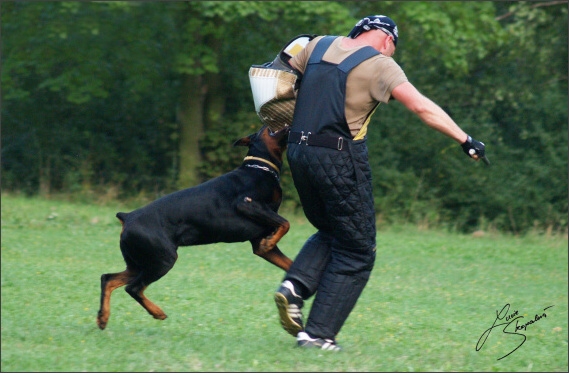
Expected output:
(107, 101)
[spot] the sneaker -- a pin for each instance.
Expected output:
(304, 340)
(289, 304)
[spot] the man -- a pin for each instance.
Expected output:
(343, 81)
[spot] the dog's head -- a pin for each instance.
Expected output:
(266, 144)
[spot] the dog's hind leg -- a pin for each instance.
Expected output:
(136, 290)
(154, 265)
(110, 282)
(153, 256)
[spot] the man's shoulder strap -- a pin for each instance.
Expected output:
(349, 63)
(321, 48)
(356, 58)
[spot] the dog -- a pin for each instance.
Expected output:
(238, 206)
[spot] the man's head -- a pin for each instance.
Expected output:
(379, 22)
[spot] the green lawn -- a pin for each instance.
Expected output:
(431, 297)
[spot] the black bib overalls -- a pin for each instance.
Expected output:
(333, 178)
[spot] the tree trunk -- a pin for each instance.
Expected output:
(215, 100)
(190, 118)
(202, 103)
(215, 95)
(45, 177)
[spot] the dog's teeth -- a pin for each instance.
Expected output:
(248, 199)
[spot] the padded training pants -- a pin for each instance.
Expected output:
(336, 262)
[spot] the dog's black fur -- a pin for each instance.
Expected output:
(238, 206)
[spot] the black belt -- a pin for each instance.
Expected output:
(326, 141)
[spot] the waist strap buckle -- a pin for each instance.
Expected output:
(304, 137)
(314, 139)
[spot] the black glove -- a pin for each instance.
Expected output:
(474, 147)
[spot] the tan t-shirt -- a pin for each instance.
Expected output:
(367, 84)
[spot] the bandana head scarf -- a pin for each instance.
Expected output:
(380, 22)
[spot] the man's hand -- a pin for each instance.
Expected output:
(475, 149)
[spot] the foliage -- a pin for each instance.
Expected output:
(95, 122)
(92, 90)
(421, 177)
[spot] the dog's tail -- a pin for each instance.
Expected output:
(122, 217)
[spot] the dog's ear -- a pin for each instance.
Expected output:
(283, 132)
(245, 141)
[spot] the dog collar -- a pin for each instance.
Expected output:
(275, 170)
(251, 158)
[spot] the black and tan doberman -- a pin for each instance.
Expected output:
(238, 206)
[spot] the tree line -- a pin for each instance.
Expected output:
(135, 98)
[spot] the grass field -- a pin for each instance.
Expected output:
(430, 299)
